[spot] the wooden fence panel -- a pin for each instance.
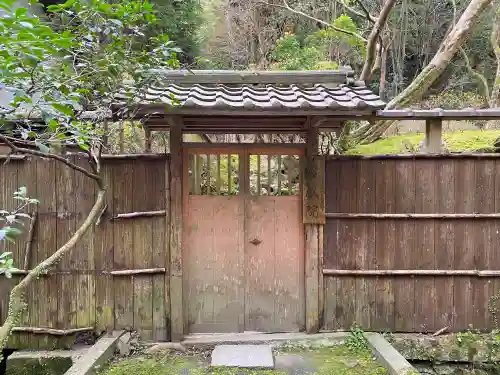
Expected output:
(370, 242)
(81, 292)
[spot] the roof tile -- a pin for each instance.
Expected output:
(343, 97)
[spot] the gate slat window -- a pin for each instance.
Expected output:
(274, 175)
(213, 174)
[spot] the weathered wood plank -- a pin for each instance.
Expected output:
(464, 175)
(176, 228)
(385, 244)
(404, 289)
(142, 249)
(66, 209)
(313, 215)
(484, 195)
(104, 253)
(159, 197)
(123, 242)
(444, 242)
(425, 291)
(289, 308)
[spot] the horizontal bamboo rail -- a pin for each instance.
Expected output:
(132, 215)
(52, 331)
(12, 157)
(461, 155)
(341, 215)
(126, 272)
(145, 271)
(477, 273)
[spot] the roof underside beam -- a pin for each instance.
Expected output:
(230, 77)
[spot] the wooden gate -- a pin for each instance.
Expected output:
(244, 243)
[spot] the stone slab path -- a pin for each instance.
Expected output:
(243, 356)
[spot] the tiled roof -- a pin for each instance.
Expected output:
(268, 97)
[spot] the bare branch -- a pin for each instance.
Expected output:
(365, 13)
(320, 21)
(369, 16)
(23, 150)
(371, 47)
(351, 9)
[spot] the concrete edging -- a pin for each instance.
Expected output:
(97, 355)
(389, 357)
(258, 338)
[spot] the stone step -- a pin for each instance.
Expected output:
(243, 356)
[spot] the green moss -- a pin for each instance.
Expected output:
(458, 141)
(38, 366)
(334, 360)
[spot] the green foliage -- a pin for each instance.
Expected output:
(73, 63)
(180, 20)
(356, 340)
(457, 141)
(343, 48)
(290, 55)
(9, 229)
(322, 50)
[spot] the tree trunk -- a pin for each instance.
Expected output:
(495, 44)
(371, 45)
(414, 92)
(16, 302)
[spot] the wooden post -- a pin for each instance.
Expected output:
(313, 218)
(147, 140)
(433, 135)
(176, 226)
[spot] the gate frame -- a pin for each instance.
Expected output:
(313, 218)
(244, 150)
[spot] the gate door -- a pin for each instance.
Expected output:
(244, 245)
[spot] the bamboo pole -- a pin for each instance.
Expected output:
(477, 273)
(143, 271)
(133, 215)
(51, 331)
(341, 215)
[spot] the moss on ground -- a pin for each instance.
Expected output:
(38, 366)
(458, 141)
(337, 360)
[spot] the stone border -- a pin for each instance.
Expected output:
(389, 357)
(258, 338)
(95, 356)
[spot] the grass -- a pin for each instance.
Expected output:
(458, 141)
(335, 360)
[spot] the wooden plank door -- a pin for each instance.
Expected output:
(244, 243)
(274, 244)
(213, 257)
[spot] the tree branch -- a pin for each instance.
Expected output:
(23, 150)
(447, 50)
(16, 302)
(482, 79)
(351, 9)
(495, 44)
(371, 46)
(296, 11)
(369, 16)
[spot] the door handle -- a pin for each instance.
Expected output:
(255, 241)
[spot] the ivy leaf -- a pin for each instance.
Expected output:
(66, 109)
(21, 12)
